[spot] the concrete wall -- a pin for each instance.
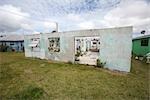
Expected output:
(28, 50)
(115, 48)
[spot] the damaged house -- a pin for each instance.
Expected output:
(110, 45)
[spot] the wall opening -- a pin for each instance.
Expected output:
(87, 50)
(35, 44)
(54, 44)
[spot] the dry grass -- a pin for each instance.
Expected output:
(32, 79)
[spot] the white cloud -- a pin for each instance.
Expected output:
(130, 12)
(26, 26)
(74, 17)
(86, 25)
(127, 12)
(49, 26)
(11, 18)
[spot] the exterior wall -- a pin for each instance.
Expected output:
(115, 47)
(66, 47)
(138, 49)
(28, 50)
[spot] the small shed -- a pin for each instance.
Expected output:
(141, 45)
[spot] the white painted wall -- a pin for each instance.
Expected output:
(115, 49)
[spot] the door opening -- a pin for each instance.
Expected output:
(87, 50)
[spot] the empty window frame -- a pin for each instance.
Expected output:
(54, 44)
(35, 44)
(144, 42)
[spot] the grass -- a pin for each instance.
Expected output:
(33, 79)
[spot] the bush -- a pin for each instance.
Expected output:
(78, 54)
(100, 64)
(3, 48)
(69, 62)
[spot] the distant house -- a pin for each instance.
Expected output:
(12, 43)
(141, 45)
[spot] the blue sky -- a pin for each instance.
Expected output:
(32, 16)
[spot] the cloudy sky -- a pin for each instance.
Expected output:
(31, 16)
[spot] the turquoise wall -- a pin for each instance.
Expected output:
(139, 50)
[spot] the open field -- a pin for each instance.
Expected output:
(32, 79)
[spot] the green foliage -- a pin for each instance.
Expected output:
(78, 54)
(100, 64)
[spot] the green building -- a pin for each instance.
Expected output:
(141, 45)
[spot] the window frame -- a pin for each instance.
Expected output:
(55, 45)
(144, 42)
(37, 48)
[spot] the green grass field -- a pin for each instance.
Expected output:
(33, 79)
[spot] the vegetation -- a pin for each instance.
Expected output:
(100, 64)
(70, 62)
(30, 93)
(78, 54)
(34, 79)
(3, 48)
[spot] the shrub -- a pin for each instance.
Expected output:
(78, 54)
(100, 64)
(3, 48)
(76, 58)
(69, 62)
